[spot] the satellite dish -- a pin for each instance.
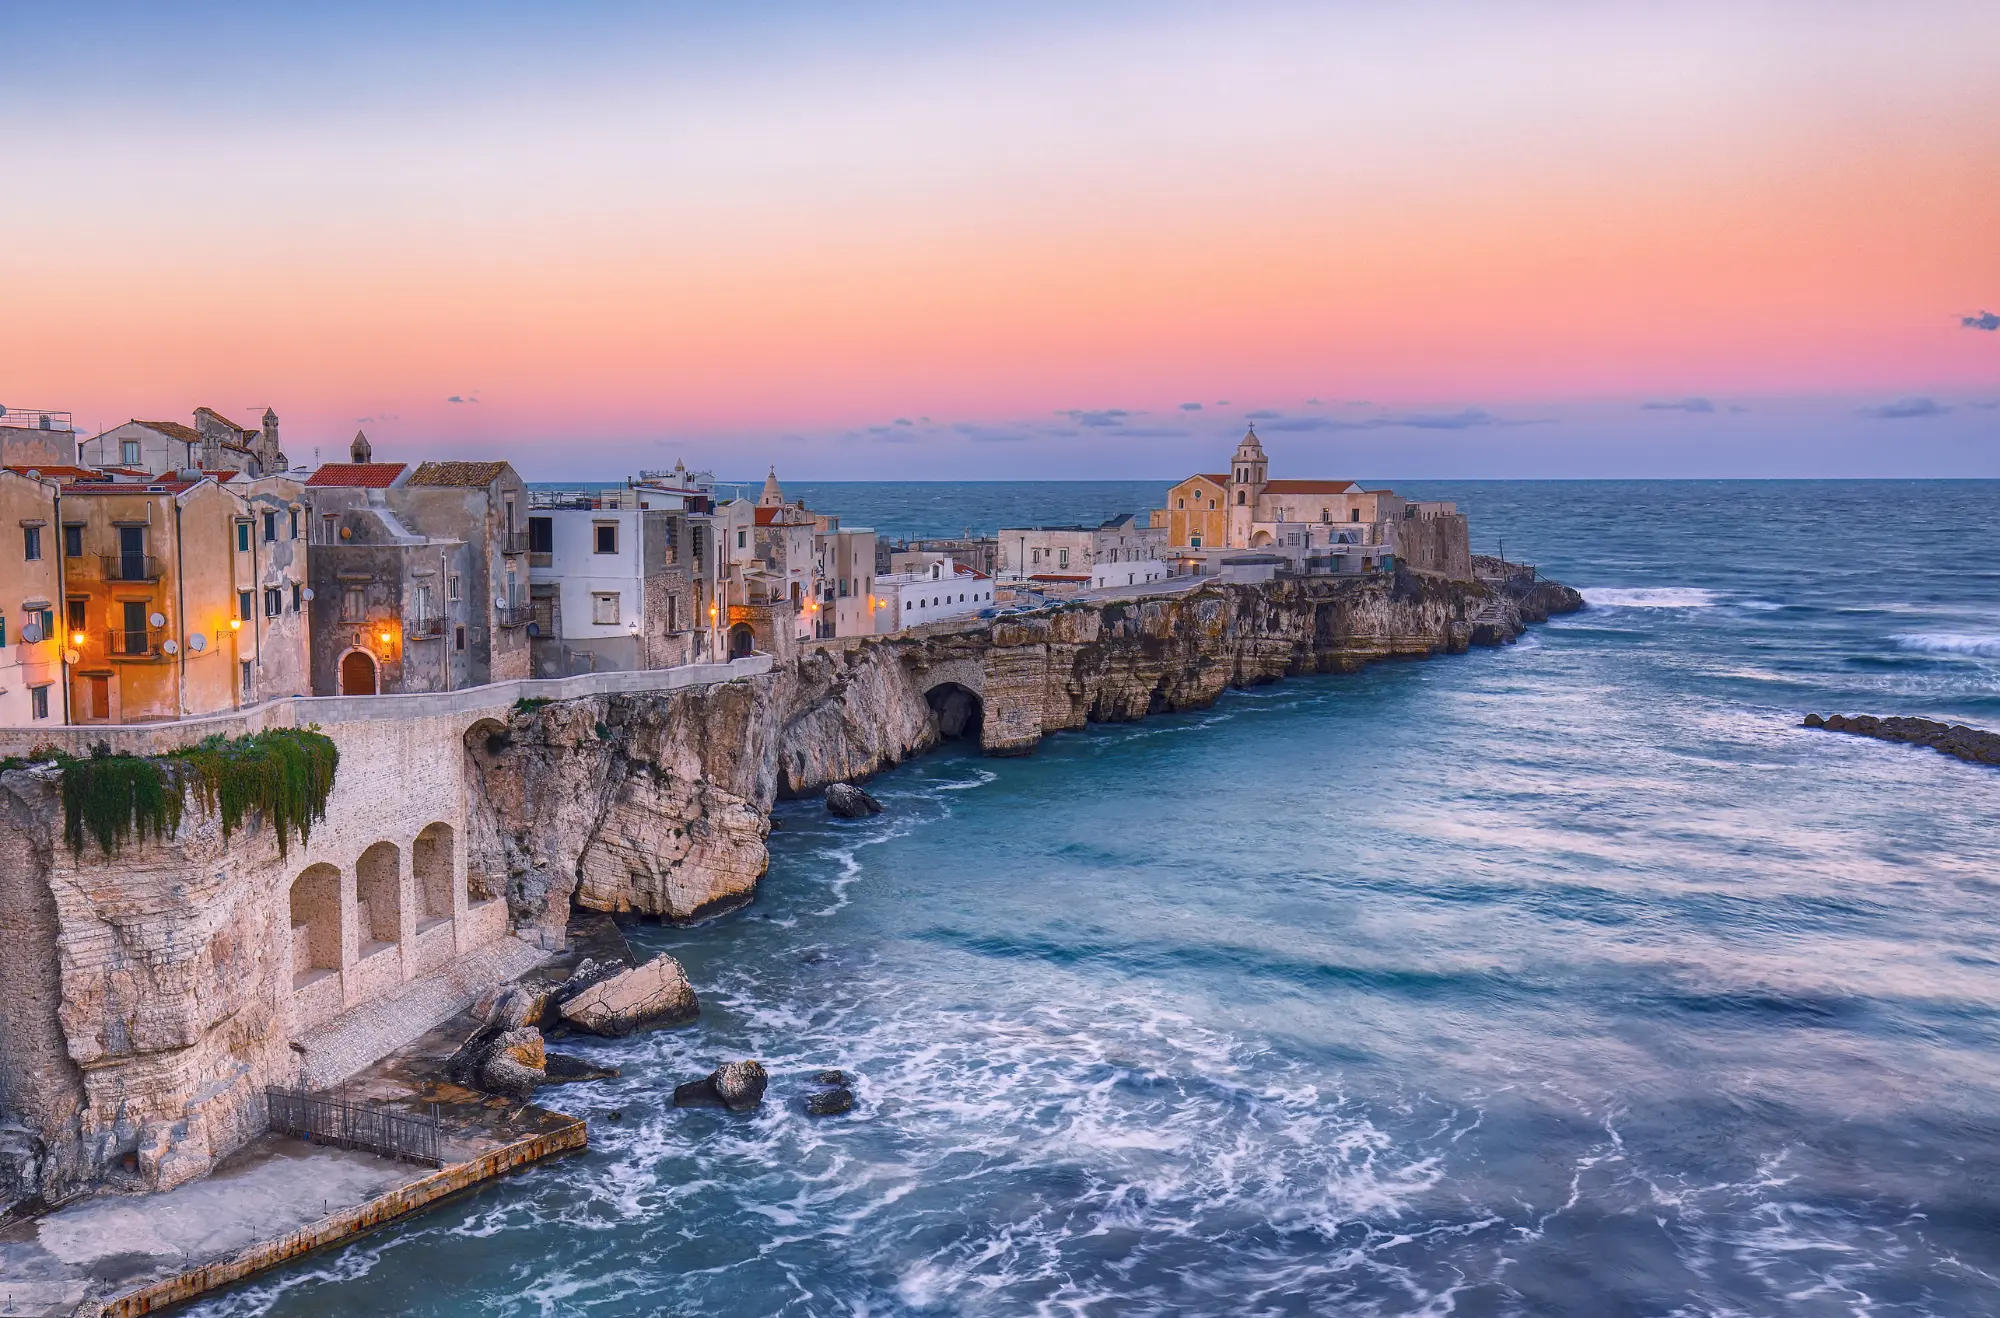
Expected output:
(31, 634)
(499, 601)
(171, 646)
(307, 593)
(72, 658)
(534, 629)
(158, 619)
(197, 642)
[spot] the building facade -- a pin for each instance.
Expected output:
(31, 670)
(213, 444)
(609, 587)
(938, 593)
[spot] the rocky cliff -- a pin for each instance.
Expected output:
(660, 803)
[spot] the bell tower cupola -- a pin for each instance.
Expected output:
(1252, 468)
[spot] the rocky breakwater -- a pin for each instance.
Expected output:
(1973, 745)
(660, 803)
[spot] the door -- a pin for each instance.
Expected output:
(131, 554)
(100, 697)
(357, 674)
(135, 627)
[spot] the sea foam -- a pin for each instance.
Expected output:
(1649, 597)
(1972, 643)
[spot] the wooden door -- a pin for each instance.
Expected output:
(100, 697)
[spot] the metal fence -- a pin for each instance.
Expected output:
(391, 1132)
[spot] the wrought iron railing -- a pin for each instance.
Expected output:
(392, 1132)
(137, 642)
(423, 629)
(513, 542)
(513, 615)
(130, 567)
(35, 418)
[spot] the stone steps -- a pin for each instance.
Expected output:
(367, 1033)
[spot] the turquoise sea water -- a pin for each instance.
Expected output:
(1567, 978)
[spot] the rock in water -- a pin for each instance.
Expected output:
(500, 1061)
(850, 802)
(738, 1086)
(830, 1102)
(566, 1069)
(831, 1077)
(642, 998)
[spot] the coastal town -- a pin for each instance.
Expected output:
(165, 570)
(324, 787)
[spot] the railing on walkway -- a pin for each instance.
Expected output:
(391, 1132)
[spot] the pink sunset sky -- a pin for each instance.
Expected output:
(936, 242)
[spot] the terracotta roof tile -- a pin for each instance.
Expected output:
(366, 475)
(457, 473)
(1308, 487)
(172, 430)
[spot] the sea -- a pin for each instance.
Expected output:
(1571, 977)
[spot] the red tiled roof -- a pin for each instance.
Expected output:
(57, 472)
(785, 515)
(366, 475)
(1214, 478)
(1308, 487)
(172, 429)
(468, 474)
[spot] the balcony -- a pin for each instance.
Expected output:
(425, 629)
(138, 644)
(130, 567)
(513, 542)
(513, 615)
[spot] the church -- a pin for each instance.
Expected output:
(1245, 509)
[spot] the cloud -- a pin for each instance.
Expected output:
(1222, 402)
(989, 435)
(1471, 418)
(1684, 405)
(1190, 407)
(926, 420)
(1985, 320)
(1905, 409)
(1314, 402)
(1263, 414)
(455, 398)
(904, 421)
(1108, 416)
(1153, 432)
(380, 416)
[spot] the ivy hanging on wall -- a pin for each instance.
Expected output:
(284, 774)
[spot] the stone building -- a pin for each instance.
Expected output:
(609, 583)
(1335, 523)
(419, 578)
(36, 437)
(847, 599)
(213, 444)
(936, 593)
(30, 592)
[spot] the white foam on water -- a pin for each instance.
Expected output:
(1982, 645)
(1649, 597)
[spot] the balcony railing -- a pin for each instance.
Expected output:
(35, 418)
(424, 629)
(137, 643)
(513, 542)
(130, 567)
(513, 615)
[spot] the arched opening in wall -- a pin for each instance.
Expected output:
(1260, 540)
(958, 711)
(379, 888)
(741, 640)
(434, 865)
(357, 673)
(315, 925)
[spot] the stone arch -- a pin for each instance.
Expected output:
(378, 877)
(1261, 540)
(959, 711)
(316, 940)
(359, 674)
(434, 867)
(742, 640)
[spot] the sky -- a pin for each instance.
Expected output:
(1053, 240)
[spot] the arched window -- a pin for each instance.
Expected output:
(1239, 496)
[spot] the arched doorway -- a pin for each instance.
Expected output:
(741, 640)
(1261, 540)
(357, 673)
(958, 711)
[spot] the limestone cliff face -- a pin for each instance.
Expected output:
(660, 803)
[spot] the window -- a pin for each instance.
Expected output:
(38, 702)
(128, 452)
(74, 608)
(3, 631)
(451, 587)
(44, 619)
(604, 609)
(1240, 495)
(423, 599)
(541, 535)
(270, 527)
(1354, 515)
(296, 597)
(243, 605)
(1183, 503)
(353, 604)
(73, 541)
(274, 601)
(1194, 542)
(31, 542)
(295, 524)
(1062, 558)
(458, 637)
(604, 537)
(1035, 555)
(243, 537)
(742, 539)
(249, 681)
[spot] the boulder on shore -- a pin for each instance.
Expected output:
(500, 1060)
(738, 1086)
(641, 998)
(568, 1069)
(830, 1102)
(850, 802)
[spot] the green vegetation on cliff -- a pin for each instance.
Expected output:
(285, 774)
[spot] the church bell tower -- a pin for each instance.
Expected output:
(1249, 471)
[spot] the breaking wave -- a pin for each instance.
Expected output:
(1649, 597)
(1971, 643)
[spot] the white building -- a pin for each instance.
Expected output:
(945, 590)
(1070, 557)
(609, 580)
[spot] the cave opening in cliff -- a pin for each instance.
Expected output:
(959, 712)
